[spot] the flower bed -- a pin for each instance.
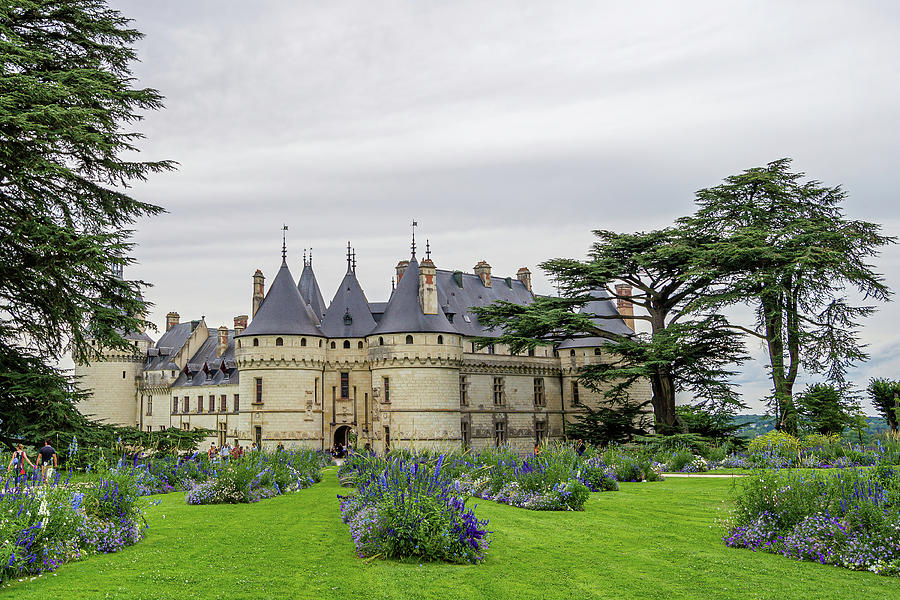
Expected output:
(257, 476)
(42, 527)
(848, 518)
(409, 509)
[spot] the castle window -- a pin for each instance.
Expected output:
(212, 403)
(596, 351)
(387, 439)
(174, 404)
(223, 403)
(186, 426)
(440, 339)
(237, 403)
(303, 341)
(499, 391)
(463, 390)
(279, 342)
(539, 391)
(473, 348)
(464, 434)
(187, 404)
(149, 406)
(531, 352)
(387, 389)
(333, 346)
(123, 374)
(409, 339)
(259, 397)
(540, 431)
(199, 404)
(499, 433)
(320, 343)
(575, 401)
(490, 348)
(256, 341)
(346, 344)
(381, 341)
(359, 345)
(239, 343)
(345, 384)
(571, 353)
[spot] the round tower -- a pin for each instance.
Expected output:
(111, 381)
(281, 360)
(415, 354)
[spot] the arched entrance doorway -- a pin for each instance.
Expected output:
(342, 435)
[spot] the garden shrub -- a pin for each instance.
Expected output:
(848, 518)
(776, 443)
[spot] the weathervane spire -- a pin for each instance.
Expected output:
(414, 225)
(427, 249)
(354, 260)
(348, 256)
(304, 257)
(284, 229)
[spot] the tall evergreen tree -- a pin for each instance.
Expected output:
(67, 99)
(793, 255)
(685, 350)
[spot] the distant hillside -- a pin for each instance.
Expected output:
(756, 425)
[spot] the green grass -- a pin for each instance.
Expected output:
(649, 540)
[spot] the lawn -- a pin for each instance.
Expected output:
(650, 540)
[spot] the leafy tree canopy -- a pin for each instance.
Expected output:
(67, 98)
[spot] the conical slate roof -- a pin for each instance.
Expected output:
(349, 300)
(309, 289)
(283, 311)
(404, 313)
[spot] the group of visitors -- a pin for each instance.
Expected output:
(227, 450)
(46, 460)
(341, 450)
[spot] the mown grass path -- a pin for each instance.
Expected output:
(650, 540)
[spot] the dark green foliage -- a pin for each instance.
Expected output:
(885, 396)
(604, 425)
(708, 423)
(66, 92)
(826, 409)
(686, 351)
(793, 255)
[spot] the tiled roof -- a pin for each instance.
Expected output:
(309, 289)
(404, 313)
(349, 304)
(283, 310)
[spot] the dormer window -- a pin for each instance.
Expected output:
(348, 320)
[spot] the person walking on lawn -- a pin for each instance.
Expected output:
(46, 459)
(17, 462)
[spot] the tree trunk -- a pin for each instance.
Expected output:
(773, 313)
(661, 383)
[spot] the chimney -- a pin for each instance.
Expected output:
(172, 320)
(427, 288)
(624, 305)
(483, 270)
(524, 275)
(240, 324)
(259, 283)
(223, 341)
(401, 269)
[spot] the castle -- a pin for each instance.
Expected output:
(405, 372)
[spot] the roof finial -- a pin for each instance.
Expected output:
(304, 257)
(310, 256)
(354, 260)
(392, 285)
(414, 225)
(348, 256)
(427, 249)
(284, 229)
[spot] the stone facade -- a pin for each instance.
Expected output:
(304, 386)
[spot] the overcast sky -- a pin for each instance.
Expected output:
(508, 130)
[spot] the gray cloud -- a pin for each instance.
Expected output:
(508, 129)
